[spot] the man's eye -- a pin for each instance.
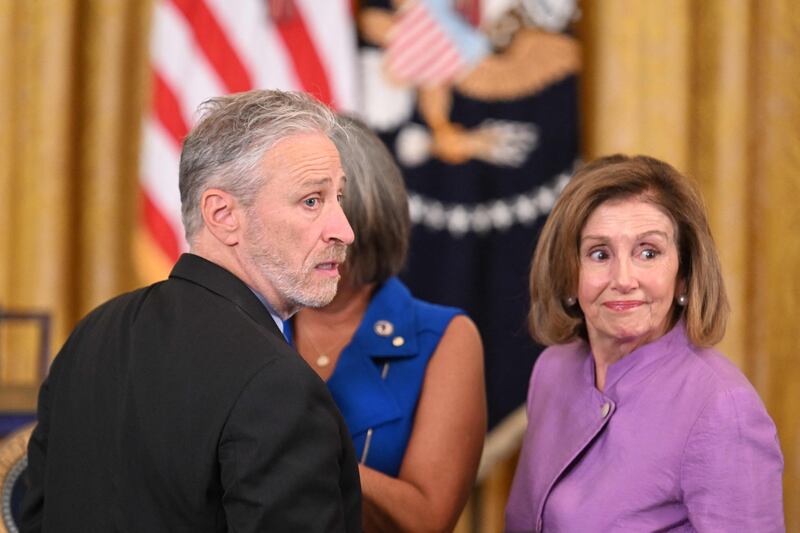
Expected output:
(340, 198)
(311, 202)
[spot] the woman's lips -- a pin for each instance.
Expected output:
(624, 305)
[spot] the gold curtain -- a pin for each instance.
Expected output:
(711, 86)
(72, 86)
(708, 85)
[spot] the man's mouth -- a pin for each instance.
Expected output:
(331, 265)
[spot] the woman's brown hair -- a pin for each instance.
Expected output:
(556, 263)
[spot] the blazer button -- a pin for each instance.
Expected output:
(605, 409)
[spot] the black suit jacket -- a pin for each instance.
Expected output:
(180, 407)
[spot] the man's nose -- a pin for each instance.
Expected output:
(338, 228)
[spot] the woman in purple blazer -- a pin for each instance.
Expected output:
(634, 422)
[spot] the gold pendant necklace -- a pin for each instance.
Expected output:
(322, 360)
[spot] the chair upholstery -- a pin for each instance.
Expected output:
(13, 461)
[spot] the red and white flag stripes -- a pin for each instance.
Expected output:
(204, 48)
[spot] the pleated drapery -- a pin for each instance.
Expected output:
(710, 86)
(72, 87)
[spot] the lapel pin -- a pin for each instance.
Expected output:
(384, 328)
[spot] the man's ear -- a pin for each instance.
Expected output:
(221, 215)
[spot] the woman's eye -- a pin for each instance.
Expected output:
(340, 198)
(598, 255)
(649, 254)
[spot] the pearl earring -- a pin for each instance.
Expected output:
(683, 300)
(570, 301)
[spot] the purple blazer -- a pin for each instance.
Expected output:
(679, 441)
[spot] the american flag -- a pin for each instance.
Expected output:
(205, 48)
(427, 47)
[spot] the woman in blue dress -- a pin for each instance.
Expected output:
(406, 374)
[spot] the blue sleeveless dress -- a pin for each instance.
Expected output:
(378, 378)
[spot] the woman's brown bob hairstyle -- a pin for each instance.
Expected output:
(556, 262)
(376, 205)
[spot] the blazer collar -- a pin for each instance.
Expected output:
(363, 397)
(391, 304)
(388, 328)
(624, 375)
(387, 332)
(572, 415)
(579, 414)
(200, 271)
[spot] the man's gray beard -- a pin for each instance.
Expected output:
(292, 286)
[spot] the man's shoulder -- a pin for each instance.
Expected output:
(181, 317)
(163, 298)
(198, 312)
(125, 305)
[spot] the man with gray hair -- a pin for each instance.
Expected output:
(180, 407)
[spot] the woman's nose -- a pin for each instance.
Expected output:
(623, 276)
